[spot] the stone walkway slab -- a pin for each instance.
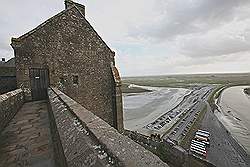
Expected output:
(26, 141)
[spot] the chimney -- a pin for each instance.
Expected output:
(68, 3)
(71, 3)
(3, 59)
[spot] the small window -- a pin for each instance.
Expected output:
(75, 79)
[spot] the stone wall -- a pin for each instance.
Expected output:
(7, 79)
(172, 154)
(7, 71)
(83, 139)
(10, 103)
(70, 48)
(7, 84)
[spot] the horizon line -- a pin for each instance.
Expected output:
(198, 73)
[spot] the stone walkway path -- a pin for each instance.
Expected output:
(26, 141)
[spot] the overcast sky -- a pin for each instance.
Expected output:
(151, 37)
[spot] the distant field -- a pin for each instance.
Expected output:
(187, 80)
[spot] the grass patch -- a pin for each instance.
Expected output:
(190, 80)
(214, 95)
(194, 127)
(185, 81)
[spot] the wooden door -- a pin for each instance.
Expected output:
(39, 81)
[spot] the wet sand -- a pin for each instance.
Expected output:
(234, 113)
(143, 108)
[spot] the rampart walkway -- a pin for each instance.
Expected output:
(61, 132)
(26, 140)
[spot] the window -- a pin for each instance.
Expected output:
(75, 79)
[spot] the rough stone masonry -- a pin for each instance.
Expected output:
(79, 62)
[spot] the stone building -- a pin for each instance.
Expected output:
(7, 75)
(66, 52)
(9, 63)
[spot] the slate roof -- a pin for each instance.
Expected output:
(9, 63)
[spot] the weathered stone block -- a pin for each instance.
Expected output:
(97, 138)
(10, 103)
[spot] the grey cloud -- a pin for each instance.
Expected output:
(191, 61)
(18, 17)
(176, 30)
(216, 45)
(180, 17)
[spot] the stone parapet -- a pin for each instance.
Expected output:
(87, 140)
(173, 154)
(10, 103)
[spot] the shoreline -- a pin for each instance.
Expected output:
(222, 141)
(235, 143)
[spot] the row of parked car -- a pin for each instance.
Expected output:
(200, 143)
(185, 131)
(163, 120)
